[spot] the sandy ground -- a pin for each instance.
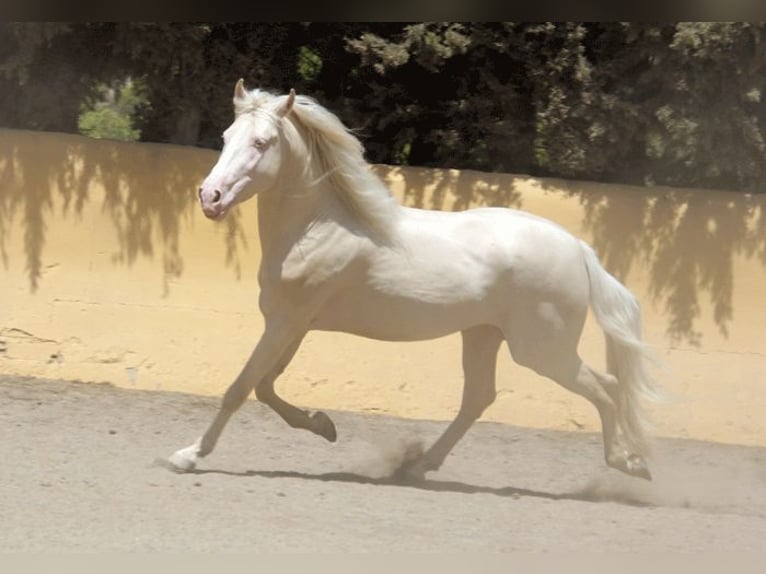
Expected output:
(79, 473)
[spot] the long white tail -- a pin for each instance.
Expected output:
(619, 314)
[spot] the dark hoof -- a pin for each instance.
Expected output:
(409, 473)
(414, 465)
(323, 426)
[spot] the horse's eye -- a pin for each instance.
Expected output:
(259, 143)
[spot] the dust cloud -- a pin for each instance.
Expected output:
(681, 484)
(391, 456)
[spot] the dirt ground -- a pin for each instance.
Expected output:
(79, 472)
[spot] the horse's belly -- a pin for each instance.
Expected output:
(388, 318)
(429, 290)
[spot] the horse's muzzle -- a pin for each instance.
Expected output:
(210, 201)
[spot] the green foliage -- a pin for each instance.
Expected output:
(429, 44)
(112, 115)
(309, 64)
(105, 122)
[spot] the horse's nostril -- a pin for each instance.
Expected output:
(199, 193)
(216, 196)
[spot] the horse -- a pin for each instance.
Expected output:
(339, 253)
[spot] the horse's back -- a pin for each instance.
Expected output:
(526, 249)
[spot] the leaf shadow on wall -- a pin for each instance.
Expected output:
(685, 240)
(148, 192)
(451, 190)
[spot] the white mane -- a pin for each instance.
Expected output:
(337, 157)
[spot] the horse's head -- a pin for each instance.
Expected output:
(251, 157)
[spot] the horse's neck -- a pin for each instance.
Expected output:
(286, 215)
(302, 243)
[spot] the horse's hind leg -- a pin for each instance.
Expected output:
(480, 347)
(602, 391)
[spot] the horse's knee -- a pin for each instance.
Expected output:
(264, 392)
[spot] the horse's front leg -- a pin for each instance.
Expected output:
(280, 339)
(317, 422)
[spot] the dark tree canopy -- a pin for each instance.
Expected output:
(674, 103)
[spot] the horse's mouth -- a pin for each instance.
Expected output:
(214, 213)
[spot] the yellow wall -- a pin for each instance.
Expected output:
(110, 272)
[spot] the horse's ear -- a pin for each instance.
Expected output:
(239, 90)
(288, 104)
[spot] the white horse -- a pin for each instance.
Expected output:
(340, 254)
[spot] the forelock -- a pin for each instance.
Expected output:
(253, 101)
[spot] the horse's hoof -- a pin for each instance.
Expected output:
(632, 464)
(410, 472)
(409, 475)
(323, 426)
(637, 467)
(184, 460)
(414, 467)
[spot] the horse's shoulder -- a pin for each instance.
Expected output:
(314, 258)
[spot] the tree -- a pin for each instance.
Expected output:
(675, 103)
(42, 77)
(444, 94)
